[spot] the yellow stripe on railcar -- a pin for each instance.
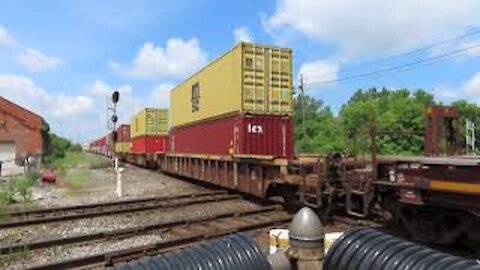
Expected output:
(456, 186)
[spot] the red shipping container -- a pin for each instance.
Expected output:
(266, 135)
(123, 133)
(102, 141)
(149, 144)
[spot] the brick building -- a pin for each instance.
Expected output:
(20, 136)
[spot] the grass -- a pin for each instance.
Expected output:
(80, 160)
(77, 177)
(17, 256)
(17, 189)
(75, 167)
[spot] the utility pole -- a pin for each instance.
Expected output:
(470, 137)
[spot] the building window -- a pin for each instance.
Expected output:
(195, 97)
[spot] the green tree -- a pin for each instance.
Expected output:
(397, 116)
(470, 111)
(55, 146)
(322, 134)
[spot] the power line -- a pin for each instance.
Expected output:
(411, 52)
(396, 67)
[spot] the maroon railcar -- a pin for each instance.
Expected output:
(149, 144)
(255, 135)
(123, 133)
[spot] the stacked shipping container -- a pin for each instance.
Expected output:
(240, 104)
(99, 146)
(149, 131)
(123, 143)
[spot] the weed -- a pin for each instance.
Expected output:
(77, 177)
(80, 160)
(17, 189)
(16, 256)
(5, 197)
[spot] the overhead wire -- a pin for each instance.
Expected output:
(406, 54)
(394, 68)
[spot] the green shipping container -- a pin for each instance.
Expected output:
(150, 121)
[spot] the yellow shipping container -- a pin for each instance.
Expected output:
(250, 78)
(122, 147)
(149, 121)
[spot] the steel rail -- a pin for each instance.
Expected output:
(105, 204)
(125, 232)
(187, 234)
(120, 209)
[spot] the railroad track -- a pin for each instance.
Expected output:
(32, 217)
(181, 233)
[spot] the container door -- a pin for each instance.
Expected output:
(267, 80)
(254, 80)
(162, 118)
(280, 81)
(150, 121)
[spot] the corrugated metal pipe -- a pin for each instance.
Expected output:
(234, 252)
(373, 249)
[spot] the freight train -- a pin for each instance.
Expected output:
(230, 124)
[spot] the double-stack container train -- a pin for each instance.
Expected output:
(148, 136)
(230, 124)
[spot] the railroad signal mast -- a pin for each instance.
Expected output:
(470, 137)
(112, 125)
(112, 121)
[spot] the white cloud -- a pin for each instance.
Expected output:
(5, 38)
(365, 28)
(470, 90)
(25, 92)
(472, 86)
(242, 34)
(36, 61)
(475, 51)
(319, 71)
(178, 59)
(99, 88)
(128, 104)
(446, 92)
(161, 94)
(67, 106)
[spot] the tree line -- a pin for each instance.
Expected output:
(55, 147)
(397, 116)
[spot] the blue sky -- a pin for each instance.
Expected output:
(60, 58)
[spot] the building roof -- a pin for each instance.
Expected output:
(27, 117)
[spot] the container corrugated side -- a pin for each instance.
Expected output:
(250, 78)
(123, 133)
(150, 121)
(122, 147)
(255, 135)
(149, 144)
